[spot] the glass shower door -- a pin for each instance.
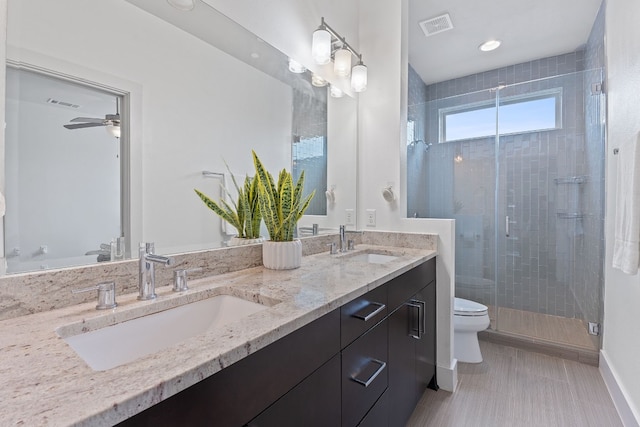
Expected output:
(451, 174)
(549, 209)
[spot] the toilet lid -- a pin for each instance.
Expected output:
(465, 307)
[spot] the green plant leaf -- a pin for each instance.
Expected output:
(225, 212)
(280, 203)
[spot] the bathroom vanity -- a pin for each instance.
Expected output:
(346, 339)
(364, 364)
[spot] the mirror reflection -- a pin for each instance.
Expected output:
(196, 91)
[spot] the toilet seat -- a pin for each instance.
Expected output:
(464, 307)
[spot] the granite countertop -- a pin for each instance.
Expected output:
(46, 383)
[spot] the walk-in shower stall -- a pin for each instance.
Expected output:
(520, 167)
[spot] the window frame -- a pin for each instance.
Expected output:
(555, 93)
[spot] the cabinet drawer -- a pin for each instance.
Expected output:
(364, 374)
(378, 416)
(404, 286)
(315, 402)
(361, 314)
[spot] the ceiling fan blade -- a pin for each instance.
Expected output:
(83, 125)
(87, 120)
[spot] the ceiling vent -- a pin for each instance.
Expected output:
(436, 25)
(62, 103)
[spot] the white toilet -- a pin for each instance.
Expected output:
(469, 318)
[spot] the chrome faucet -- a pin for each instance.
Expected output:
(147, 273)
(343, 239)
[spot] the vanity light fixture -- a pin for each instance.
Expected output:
(318, 81)
(490, 45)
(328, 44)
(296, 67)
(335, 92)
(185, 5)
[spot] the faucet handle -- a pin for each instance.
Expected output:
(180, 278)
(333, 248)
(106, 294)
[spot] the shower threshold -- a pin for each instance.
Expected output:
(543, 333)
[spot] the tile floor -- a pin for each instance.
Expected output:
(514, 388)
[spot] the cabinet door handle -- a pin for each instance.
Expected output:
(412, 329)
(367, 317)
(422, 327)
(366, 383)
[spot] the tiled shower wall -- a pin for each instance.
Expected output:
(551, 261)
(309, 149)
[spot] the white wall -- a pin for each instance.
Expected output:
(621, 340)
(382, 142)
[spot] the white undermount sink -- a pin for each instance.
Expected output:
(374, 258)
(124, 342)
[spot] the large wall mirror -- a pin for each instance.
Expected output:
(155, 101)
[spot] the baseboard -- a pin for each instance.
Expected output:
(628, 414)
(448, 377)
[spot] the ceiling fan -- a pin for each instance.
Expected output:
(111, 121)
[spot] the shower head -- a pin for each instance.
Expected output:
(415, 142)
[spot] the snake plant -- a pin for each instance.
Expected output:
(244, 213)
(281, 203)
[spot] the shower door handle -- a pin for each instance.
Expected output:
(506, 225)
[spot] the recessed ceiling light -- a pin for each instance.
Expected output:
(185, 5)
(490, 45)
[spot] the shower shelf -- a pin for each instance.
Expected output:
(571, 180)
(565, 215)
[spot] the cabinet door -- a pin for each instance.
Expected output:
(402, 365)
(426, 344)
(315, 402)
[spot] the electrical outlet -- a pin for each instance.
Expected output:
(349, 214)
(371, 217)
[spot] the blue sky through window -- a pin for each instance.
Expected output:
(516, 116)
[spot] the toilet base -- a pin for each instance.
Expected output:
(466, 347)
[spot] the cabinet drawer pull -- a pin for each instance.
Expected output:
(373, 376)
(422, 327)
(367, 317)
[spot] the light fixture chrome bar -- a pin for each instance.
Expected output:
(325, 26)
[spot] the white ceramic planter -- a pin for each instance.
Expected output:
(282, 255)
(237, 241)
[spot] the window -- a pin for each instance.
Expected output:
(517, 114)
(411, 132)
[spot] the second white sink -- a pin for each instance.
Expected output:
(374, 258)
(124, 342)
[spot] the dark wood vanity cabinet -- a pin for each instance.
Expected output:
(365, 364)
(240, 392)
